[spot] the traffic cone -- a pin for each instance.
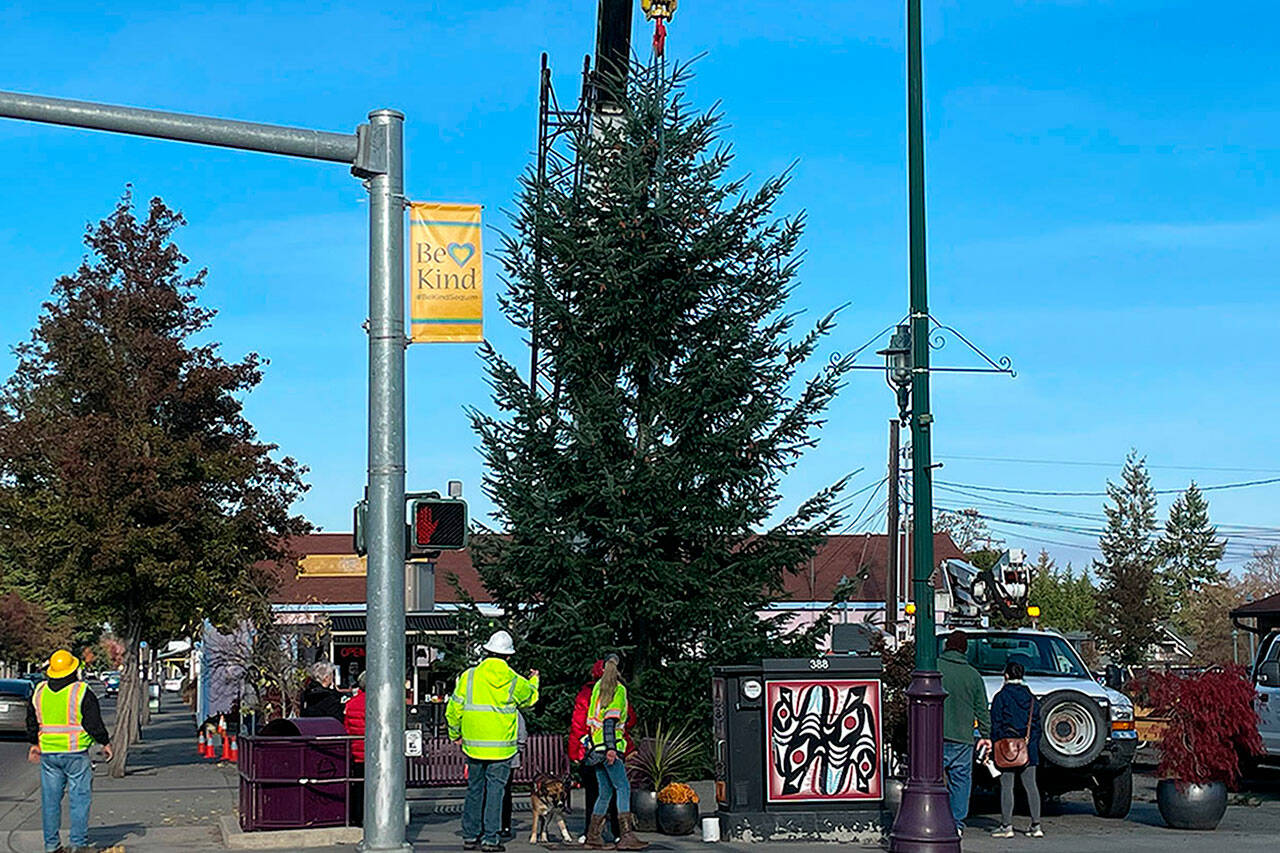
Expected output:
(235, 750)
(200, 743)
(208, 746)
(226, 750)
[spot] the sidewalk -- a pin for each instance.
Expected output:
(172, 801)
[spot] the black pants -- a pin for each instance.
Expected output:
(355, 806)
(591, 790)
(506, 809)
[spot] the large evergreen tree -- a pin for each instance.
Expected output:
(1190, 550)
(131, 484)
(1130, 599)
(635, 494)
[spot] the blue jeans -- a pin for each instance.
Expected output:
(482, 809)
(957, 761)
(72, 773)
(612, 779)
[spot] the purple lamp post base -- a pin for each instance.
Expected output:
(924, 823)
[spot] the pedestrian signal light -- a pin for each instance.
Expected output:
(436, 524)
(911, 609)
(1033, 612)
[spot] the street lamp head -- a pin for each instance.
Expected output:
(897, 366)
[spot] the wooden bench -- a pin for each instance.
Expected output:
(442, 764)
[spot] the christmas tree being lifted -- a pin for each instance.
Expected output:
(635, 487)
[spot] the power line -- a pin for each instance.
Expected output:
(1113, 465)
(1050, 493)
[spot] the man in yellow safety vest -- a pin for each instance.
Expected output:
(63, 721)
(483, 717)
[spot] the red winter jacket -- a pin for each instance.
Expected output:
(578, 725)
(353, 720)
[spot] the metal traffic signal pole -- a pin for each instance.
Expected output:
(924, 820)
(375, 153)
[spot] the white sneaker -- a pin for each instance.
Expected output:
(1035, 831)
(1003, 832)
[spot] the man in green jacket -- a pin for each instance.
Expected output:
(483, 715)
(966, 703)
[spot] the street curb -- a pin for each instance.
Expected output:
(234, 838)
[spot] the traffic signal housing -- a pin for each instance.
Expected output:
(436, 524)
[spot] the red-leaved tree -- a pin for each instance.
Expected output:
(1212, 724)
(131, 484)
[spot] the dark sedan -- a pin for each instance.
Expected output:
(15, 693)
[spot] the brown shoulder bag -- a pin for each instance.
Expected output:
(1010, 753)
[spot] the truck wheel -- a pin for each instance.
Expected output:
(1113, 794)
(1074, 729)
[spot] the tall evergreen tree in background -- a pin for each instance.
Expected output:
(1130, 599)
(635, 497)
(131, 485)
(1190, 550)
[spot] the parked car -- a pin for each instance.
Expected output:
(15, 693)
(1089, 738)
(35, 677)
(111, 683)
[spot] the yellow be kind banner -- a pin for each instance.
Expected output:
(446, 273)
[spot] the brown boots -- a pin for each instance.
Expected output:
(628, 841)
(595, 832)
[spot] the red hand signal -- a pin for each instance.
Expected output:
(426, 525)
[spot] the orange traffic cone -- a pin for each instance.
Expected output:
(200, 743)
(226, 750)
(235, 750)
(209, 751)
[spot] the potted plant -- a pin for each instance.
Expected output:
(1211, 723)
(677, 809)
(660, 759)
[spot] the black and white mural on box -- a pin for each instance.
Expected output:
(823, 738)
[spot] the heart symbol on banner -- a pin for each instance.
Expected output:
(461, 253)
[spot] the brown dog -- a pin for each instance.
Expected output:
(550, 800)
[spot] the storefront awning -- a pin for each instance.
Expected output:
(414, 623)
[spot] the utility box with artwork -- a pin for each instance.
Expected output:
(799, 751)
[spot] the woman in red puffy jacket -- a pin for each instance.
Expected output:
(578, 750)
(353, 721)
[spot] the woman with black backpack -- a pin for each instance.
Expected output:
(1015, 730)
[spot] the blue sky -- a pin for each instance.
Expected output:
(1102, 209)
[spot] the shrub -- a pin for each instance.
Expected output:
(676, 794)
(1211, 724)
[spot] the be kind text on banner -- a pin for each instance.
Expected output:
(446, 273)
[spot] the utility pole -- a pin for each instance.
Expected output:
(891, 563)
(375, 153)
(924, 820)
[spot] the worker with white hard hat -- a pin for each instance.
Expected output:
(483, 715)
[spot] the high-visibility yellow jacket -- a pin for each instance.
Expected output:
(482, 709)
(60, 715)
(607, 725)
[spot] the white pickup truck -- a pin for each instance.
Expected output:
(1266, 681)
(1088, 736)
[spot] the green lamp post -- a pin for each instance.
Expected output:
(924, 821)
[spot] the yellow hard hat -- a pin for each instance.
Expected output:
(62, 664)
